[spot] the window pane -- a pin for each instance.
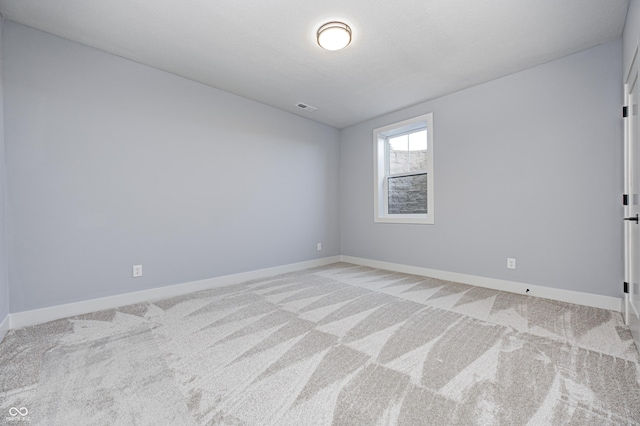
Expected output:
(408, 194)
(418, 141)
(399, 143)
(418, 150)
(399, 161)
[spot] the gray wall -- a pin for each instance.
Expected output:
(111, 164)
(527, 166)
(631, 35)
(4, 285)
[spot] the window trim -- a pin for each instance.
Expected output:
(380, 187)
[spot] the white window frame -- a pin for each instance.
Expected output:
(380, 190)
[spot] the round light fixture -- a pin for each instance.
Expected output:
(334, 36)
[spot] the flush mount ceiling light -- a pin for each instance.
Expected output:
(334, 36)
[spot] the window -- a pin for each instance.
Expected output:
(403, 171)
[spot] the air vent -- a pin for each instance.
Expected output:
(306, 107)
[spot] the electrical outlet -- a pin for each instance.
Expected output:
(137, 271)
(511, 263)
(319, 246)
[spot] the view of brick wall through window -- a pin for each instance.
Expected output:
(407, 194)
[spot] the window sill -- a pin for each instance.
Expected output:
(405, 219)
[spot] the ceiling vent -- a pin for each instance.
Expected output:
(306, 107)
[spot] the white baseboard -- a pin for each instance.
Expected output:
(5, 326)
(40, 316)
(576, 297)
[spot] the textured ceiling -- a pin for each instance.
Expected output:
(403, 52)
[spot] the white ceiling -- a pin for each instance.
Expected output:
(403, 51)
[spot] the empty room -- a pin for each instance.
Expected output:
(319, 213)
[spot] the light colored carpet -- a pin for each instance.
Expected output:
(341, 344)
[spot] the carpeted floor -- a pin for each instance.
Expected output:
(340, 344)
